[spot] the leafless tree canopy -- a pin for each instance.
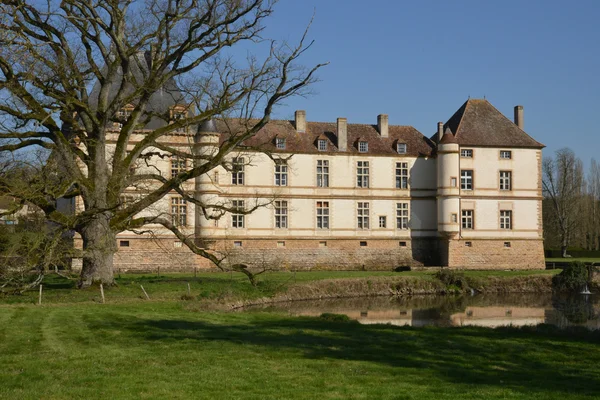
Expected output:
(68, 68)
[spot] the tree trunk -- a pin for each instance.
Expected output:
(99, 247)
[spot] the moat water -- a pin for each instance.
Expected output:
(477, 310)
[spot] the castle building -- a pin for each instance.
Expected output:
(336, 195)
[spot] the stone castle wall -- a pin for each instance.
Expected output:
(496, 254)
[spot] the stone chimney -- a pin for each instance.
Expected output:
(382, 125)
(300, 120)
(440, 131)
(342, 134)
(519, 116)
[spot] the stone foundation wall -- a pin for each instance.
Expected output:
(495, 254)
(332, 254)
(144, 254)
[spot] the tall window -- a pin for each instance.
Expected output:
(505, 183)
(281, 213)
(237, 171)
(362, 174)
(401, 148)
(401, 175)
(322, 173)
(237, 216)
(363, 147)
(505, 219)
(382, 221)
(178, 211)
(178, 165)
(322, 145)
(280, 143)
(466, 153)
(322, 214)
(401, 215)
(467, 219)
(362, 213)
(281, 173)
(466, 179)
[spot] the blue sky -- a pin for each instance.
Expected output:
(418, 61)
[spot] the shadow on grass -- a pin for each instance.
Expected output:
(539, 359)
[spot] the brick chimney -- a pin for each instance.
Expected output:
(519, 116)
(382, 125)
(300, 120)
(342, 134)
(440, 131)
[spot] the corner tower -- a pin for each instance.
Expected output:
(448, 193)
(206, 145)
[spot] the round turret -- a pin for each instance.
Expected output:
(448, 180)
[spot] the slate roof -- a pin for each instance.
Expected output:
(160, 102)
(307, 142)
(478, 123)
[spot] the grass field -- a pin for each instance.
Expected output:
(161, 350)
(213, 285)
(73, 347)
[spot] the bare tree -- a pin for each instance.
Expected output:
(563, 184)
(593, 214)
(80, 79)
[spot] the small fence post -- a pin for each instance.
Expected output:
(143, 290)
(189, 290)
(102, 293)
(40, 298)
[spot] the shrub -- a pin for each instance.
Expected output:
(452, 279)
(572, 278)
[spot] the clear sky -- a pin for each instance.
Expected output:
(419, 61)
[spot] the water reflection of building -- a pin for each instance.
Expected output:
(492, 317)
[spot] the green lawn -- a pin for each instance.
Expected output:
(214, 286)
(582, 259)
(162, 350)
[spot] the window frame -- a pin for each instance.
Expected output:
(281, 214)
(363, 215)
(466, 181)
(467, 219)
(238, 171)
(322, 144)
(466, 153)
(402, 175)
(505, 181)
(506, 220)
(504, 152)
(322, 173)
(401, 145)
(362, 174)
(281, 173)
(363, 146)
(383, 221)
(402, 215)
(178, 211)
(178, 165)
(238, 221)
(280, 143)
(322, 214)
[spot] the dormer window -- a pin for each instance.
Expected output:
(363, 147)
(280, 143)
(322, 145)
(401, 148)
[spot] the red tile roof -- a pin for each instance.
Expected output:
(306, 142)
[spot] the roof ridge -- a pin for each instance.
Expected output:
(461, 119)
